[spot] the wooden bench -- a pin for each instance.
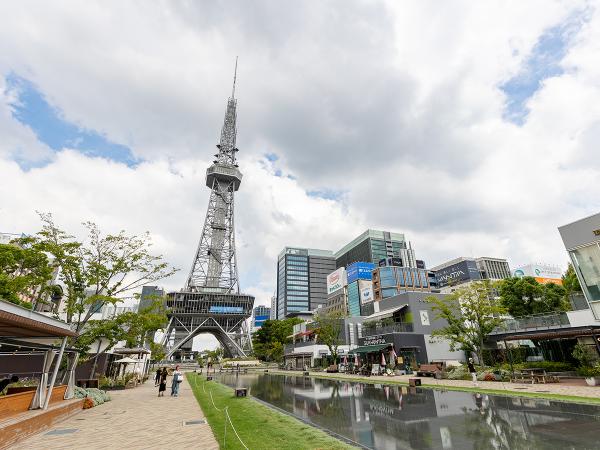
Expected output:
(428, 370)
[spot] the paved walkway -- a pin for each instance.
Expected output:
(516, 388)
(133, 419)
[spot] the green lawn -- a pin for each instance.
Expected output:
(506, 393)
(257, 425)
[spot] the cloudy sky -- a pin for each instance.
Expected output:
(472, 127)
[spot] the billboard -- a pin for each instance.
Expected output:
(543, 273)
(365, 291)
(393, 261)
(457, 273)
(336, 280)
(359, 271)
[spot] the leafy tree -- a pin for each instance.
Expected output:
(270, 339)
(585, 355)
(525, 296)
(97, 272)
(570, 280)
(471, 314)
(329, 328)
(25, 272)
(158, 351)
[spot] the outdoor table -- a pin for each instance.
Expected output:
(536, 374)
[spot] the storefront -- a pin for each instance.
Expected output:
(401, 351)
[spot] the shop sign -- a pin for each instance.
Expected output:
(336, 280)
(374, 340)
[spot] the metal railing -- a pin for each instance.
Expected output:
(533, 322)
(385, 329)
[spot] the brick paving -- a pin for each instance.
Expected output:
(569, 388)
(133, 419)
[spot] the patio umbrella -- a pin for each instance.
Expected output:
(393, 354)
(383, 359)
(345, 360)
(356, 362)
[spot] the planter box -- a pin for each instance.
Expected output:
(13, 404)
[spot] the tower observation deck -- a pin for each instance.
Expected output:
(211, 301)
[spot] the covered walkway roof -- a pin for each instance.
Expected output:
(551, 334)
(19, 322)
(370, 348)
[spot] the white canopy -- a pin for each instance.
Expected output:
(126, 360)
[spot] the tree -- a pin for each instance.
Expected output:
(329, 327)
(97, 272)
(525, 296)
(25, 272)
(571, 283)
(270, 339)
(471, 314)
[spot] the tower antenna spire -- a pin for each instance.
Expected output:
(234, 78)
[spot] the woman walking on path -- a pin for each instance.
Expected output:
(157, 377)
(162, 387)
(177, 378)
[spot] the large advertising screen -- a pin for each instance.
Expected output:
(457, 273)
(359, 271)
(336, 280)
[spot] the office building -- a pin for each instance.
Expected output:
(582, 241)
(391, 281)
(373, 246)
(463, 270)
(149, 295)
(273, 310)
(493, 268)
(302, 280)
(259, 315)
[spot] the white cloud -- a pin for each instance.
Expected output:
(396, 105)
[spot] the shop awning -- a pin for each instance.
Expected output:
(370, 348)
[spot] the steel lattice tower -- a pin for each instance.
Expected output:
(211, 301)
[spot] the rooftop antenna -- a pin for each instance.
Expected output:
(234, 78)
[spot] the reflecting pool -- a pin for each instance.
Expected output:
(397, 417)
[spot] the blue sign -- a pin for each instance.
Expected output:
(227, 309)
(359, 271)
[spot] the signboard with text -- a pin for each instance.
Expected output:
(359, 271)
(336, 280)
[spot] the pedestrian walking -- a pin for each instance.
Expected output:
(177, 379)
(162, 386)
(157, 377)
(472, 371)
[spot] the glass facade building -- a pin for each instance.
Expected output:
(390, 281)
(375, 245)
(302, 279)
(582, 241)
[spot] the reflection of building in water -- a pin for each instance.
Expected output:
(393, 417)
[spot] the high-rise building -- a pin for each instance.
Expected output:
(259, 315)
(273, 310)
(463, 270)
(391, 281)
(493, 268)
(373, 246)
(149, 295)
(302, 279)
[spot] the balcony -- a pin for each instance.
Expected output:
(533, 323)
(386, 329)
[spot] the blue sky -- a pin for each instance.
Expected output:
(544, 62)
(33, 110)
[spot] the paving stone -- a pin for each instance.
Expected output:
(133, 419)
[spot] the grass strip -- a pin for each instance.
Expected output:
(257, 425)
(502, 392)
